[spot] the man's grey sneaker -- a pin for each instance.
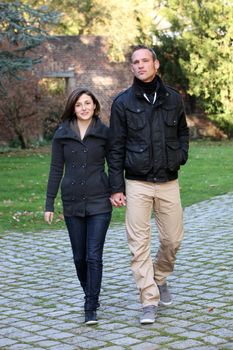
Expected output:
(165, 295)
(148, 314)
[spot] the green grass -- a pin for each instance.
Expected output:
(23, 179)
(208, 172)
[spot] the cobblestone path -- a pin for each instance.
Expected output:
(41, 301)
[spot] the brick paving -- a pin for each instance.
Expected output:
(41, 300)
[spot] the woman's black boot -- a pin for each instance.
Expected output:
(90, 317)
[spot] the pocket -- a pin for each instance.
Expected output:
(136, 119)
(137, 160)
(170, 120)
(174, 156)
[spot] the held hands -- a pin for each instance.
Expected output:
(48, 216)
(118, 199)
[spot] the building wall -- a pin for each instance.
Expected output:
(82, 61)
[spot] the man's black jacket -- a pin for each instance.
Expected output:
(147, 141)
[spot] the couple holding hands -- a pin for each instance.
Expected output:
(144, 146)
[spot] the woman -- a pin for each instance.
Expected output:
(79, 146)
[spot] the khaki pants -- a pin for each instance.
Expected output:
(164, 199)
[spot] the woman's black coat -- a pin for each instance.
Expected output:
(80, 165)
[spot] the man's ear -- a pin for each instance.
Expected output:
(156, 64)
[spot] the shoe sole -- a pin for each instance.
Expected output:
(162, 303)
(90, 323)
(147, 321)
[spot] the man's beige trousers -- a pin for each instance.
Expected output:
(164, 199)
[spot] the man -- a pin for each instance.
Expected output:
(149, 141)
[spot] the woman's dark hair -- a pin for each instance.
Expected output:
(68, 113)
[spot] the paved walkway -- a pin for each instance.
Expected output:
(41, 301)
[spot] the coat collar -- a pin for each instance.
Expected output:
(162, 92)
(65, 131)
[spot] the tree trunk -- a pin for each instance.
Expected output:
(22, 139)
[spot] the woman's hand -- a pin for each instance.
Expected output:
(48, 216)
(118, 199)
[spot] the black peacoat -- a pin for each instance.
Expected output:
(78, 167)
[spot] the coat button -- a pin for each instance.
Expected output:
(82, 182)
(83, 165)
(85, 150)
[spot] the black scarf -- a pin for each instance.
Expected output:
(148, 88)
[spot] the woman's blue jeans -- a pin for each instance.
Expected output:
(87, 237)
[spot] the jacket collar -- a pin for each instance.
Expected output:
(98, 129)
(162, 92)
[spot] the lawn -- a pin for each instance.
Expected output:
(23, 179)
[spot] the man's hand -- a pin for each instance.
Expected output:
(118, 199)
(48, 216)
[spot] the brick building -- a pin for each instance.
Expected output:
(82, 62)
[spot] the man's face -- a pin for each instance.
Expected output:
(143, 66)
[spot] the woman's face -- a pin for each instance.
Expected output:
(84, 107)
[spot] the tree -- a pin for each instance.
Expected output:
(122, 22)
(22, 28)
(201, 33)
(125, 22)
(19, 110)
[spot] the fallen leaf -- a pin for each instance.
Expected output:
(15, 218)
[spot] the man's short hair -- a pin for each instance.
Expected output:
(139, 47)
